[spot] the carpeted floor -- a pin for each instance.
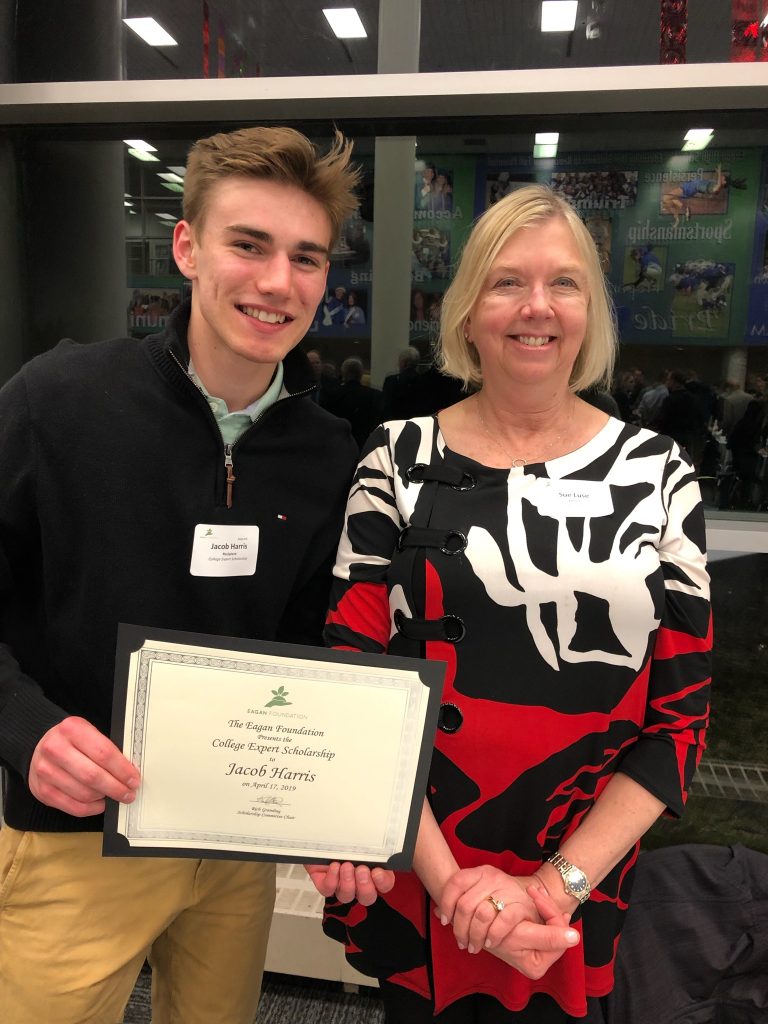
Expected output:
(287, 1000)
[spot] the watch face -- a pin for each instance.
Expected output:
(577, 881)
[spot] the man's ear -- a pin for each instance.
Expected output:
(185, 249)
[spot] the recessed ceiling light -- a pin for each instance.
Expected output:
(542, 152)
(170, 177)
(558, 15)
(546, 138)
(345, 22)
(178, 170)
(694, 134)
(697, 138)
(173, 186)
(150, 31)
(141, 154)
(126, 203)
(166, 216)
(140, 144)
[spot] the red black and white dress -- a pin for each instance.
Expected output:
(570, 601)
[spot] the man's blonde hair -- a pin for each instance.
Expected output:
(532, 204)
(273, 154)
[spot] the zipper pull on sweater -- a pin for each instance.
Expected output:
(230, 472)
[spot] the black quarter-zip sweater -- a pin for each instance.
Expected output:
(109, 457)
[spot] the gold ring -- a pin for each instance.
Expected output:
(498, 905)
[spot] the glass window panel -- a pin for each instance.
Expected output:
(728, 801)
(238, 39)
(213, 39)
(267, 38)
(684, 243)
(506, 34)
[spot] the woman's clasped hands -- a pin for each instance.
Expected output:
(520, 923)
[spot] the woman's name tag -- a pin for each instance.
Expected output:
(560, 499)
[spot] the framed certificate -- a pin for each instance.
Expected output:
(270, 751)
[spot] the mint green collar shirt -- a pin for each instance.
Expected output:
(234, 424)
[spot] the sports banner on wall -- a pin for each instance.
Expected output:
(345, 309)
(674, 232)
(443, 204)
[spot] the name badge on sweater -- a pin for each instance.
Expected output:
(224, 550)
(577, 498)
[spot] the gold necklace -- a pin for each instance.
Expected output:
(517, 462)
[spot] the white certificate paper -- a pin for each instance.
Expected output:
(272, 751)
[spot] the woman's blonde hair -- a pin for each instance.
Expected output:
(531, 204)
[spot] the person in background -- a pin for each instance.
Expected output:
(112, 456)
(553, 557)
(733, 405)
(706, 405)
(649, 404)
(354, 315)
(679, 416)
(356, 402)
(397, 385)
(601, 398)
(334, 307)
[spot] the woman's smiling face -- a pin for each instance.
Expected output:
(530, 318)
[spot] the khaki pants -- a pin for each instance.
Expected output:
(75, 929)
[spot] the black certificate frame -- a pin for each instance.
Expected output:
(132, 638)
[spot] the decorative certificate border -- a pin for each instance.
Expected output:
(141, 650)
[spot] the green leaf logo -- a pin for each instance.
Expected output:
(278, 699)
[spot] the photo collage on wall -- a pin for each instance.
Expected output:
(442, 215)
(673, 232)
(149, 303)
(345, 311)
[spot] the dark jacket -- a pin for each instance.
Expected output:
(695, 945)
(359, 405)
(109, 458)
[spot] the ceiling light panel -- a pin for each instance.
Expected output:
(558, 15)
(697, 134)
(345, 22)
(150, 31)
(141, 154)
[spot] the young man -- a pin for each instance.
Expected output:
(111, 455)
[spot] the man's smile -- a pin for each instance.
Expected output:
(265, 316)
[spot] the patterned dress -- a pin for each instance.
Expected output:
(570, 602)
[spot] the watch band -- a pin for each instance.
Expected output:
(575, 881)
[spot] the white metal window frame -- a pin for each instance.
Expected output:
(706, 87)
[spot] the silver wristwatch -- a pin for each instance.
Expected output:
(575, 881)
